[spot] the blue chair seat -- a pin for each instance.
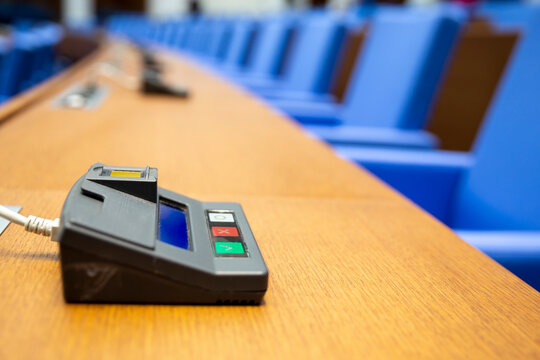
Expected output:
(373, 136)
(426, 177)
(316, 112)
(276, 94)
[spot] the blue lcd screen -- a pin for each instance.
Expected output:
(173, 227)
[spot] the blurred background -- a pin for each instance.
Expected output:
(441, 100)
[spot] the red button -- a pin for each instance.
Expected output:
(224, 231)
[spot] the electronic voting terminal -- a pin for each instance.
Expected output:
(125, 240)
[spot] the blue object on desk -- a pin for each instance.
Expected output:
(495, 193)
(393, 83)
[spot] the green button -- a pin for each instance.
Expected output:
(229, 248)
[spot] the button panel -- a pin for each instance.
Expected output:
(225, 235)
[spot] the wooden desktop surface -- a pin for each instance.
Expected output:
(356, 271)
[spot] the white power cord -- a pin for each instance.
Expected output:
(31, 223)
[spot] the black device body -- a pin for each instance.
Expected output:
(151, 79)
(124, 240)
(152, 84)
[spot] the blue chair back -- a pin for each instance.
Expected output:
(242, 38)
(197, 37)
(220, 39)
(315, 49)
(44, 61)
(507, 14)
(165, 34)
(400, 66)
(271, 45)
(19, 64)
(27, 58)
(502, 190)
(181, 35)
(5, 49)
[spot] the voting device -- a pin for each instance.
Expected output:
(125, 240)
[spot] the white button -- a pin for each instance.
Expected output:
(221, 217)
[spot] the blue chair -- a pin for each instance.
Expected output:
(395, 78)
(128, 26)
(208, 39)
(313, 55)
(19, 64)
(507, 14)
(5, 49)
(269, 50)
(172, 32)
(220, 40)
(168, 31)
(44, 63)
(27, 57)
(492, 196)
(244, 32)
(197, 38)
(183, 33)
(162, 33)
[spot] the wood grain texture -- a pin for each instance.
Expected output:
(356, 271)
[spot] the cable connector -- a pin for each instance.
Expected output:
(40, 226)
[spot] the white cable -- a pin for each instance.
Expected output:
(31, 223)
(13, 216)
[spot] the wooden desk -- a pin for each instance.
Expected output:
(356, 271)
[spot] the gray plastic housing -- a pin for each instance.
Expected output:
(110, 252)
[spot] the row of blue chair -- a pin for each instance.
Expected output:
(27, 58)
(490, 196)
(403, 60)
(290, 61)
